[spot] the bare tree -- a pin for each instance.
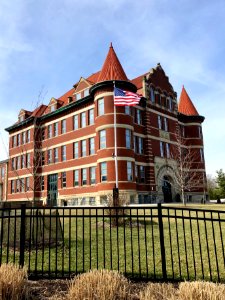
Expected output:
(32, 161)
(187, 177)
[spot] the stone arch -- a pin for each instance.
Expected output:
(166, 183)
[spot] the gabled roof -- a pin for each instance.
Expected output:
(112, 68)
(185, 105)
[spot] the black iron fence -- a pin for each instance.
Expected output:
(153, 242)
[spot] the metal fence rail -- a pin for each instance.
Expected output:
(153, 242)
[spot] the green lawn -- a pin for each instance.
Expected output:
(91, 242)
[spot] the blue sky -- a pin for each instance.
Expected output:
(47, 45)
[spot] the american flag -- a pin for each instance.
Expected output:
(125, 98)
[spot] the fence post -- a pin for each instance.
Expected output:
(162, 245)
(22, 234)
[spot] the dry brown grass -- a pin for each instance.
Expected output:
(99, 284)
(13, 282)
(200, 290)
(158, 291)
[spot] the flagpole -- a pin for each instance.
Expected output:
(115, 141)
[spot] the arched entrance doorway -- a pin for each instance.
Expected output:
(166, 188)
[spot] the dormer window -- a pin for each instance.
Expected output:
(52, 108)
(86, 92)
(78, 96)
(21, 118)
(70, 99)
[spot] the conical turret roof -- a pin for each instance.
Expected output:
(186, 106)
(112, 68)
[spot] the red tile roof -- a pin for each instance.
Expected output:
(112, 68)
(185, 106)
(64, 97)
(93, 78)
(138, 81)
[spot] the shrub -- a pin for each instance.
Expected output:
(99, 284)
(200, 290)
(158, 291)
(13, 282)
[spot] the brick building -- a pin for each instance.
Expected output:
(3, 179)
(64, 151)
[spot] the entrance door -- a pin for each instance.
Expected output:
(52, 189)
(166, 188)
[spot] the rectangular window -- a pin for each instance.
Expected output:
(91, 116)
(18, 139)
(63, 153)
(49, 131)
(136, 173)
(101, 109)
(75, 122)
(78, 96)
(52, 108)
(127, 110)
(83, 148)
(92, 146)
(14, 140)
(27, 184)
(161, 149)
(2, 172)
(22, 185)
(129, 171)
(102, 138)
(50, 156)
(13, 163)
(160, 122)
(167, 150)
(83, 119)
(63, 175)
(43, 133)
(24, 137)
(135, 143)
(42, 183)
(23, 158)
(56, 155)
(93, 175)
(165, 124)
(84, 176)
(140, 145)
(103, 168)
(75, 150)
(152, 95)
(28, 164)
(76, 177)
(17, 185)
(12, 186)
(28, 136)
(18, 163)
(138, 117)
(42, 158)
(159, 99)
(92, 200)
(63, 126)
(142, 174)
(170, 101)
(56, 129)
(86, 92)
(128, 138)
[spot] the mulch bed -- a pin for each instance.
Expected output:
(57, 289)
